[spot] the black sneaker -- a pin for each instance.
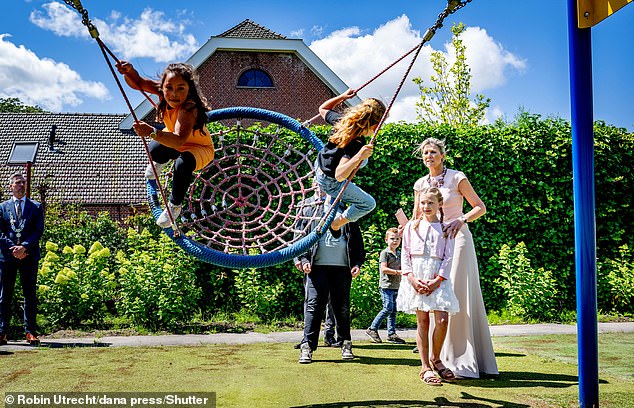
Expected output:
(329, 341)
(415, 350)
(373, 335)
(393, 338)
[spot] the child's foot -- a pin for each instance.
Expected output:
(393, 338)
(164, 219)
(428, 377)
(373, 335)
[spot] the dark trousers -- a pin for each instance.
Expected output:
(184, 166)
(329, 323)
(321, 282)
(28, 279)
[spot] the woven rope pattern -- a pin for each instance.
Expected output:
(247, 208)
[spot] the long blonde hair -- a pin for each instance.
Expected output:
(419, 214)
(357, 121)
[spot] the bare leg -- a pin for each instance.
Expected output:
(422, 342)
(422, 338)
(441, 321)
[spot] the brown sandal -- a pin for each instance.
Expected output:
(444, 373)
(429, 378)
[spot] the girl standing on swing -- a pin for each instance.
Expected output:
(185, 138)
(345, 150)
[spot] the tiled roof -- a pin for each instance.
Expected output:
(249, 29)
(95, 162)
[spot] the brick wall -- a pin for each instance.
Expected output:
(297, 92)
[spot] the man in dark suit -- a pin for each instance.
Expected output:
(21, 227)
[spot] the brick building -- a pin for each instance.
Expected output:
(96, 160)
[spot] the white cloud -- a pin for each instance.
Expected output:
(42, 81)
(356, 57)
(151, 35)
(297, 33)
(488, 60)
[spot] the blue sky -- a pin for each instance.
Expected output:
(518, 50)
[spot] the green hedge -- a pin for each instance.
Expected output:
(523, 173)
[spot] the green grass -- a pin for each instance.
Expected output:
(538, 371)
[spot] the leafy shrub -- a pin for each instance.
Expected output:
(75, 284)
(256, 295)
(69, 226)
(531, 294)
(157, 282)
(615, 283)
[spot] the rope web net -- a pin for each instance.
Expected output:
(253, 198)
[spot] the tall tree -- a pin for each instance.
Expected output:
(448, 100)
(14, 105)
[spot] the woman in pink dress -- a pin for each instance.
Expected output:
(468, 350)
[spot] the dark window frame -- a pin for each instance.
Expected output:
(258, 75)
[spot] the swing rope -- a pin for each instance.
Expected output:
(94, 33)
(452, 7)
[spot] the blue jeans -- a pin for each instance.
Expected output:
(388, 297)
(360, 203)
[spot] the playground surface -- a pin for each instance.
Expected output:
(285, 337)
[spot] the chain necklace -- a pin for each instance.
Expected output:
(17, 229)
(437, 181)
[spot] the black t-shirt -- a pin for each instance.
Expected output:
(330, 156)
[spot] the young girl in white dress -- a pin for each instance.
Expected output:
(426, 264)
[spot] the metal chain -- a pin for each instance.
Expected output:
(85, 20)
(452, 7)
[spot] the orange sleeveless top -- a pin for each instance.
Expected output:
(199, 142)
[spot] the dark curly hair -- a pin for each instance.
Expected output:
(190, 75)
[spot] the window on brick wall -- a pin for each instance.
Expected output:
(255, 78)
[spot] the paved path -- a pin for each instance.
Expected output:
(287, 337)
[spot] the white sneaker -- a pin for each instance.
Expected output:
(305, 354)
(346, 350)
(164, 219)
(149, 174)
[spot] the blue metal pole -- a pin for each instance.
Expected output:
(580, 55)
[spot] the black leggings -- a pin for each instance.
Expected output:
(184, 166)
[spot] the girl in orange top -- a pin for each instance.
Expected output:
(185, 138)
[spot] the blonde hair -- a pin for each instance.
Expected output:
(434, 191)
(357, 121)
(391, 231)
(440, 145)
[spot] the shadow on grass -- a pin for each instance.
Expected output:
(385, 346)
(522, 379)
(54, 344)
(436, 402)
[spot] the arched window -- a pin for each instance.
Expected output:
(255, 78)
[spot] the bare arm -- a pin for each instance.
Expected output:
(347, 165)
(136, 81)
(478, 208)
(183, 129)
(332, 103)
(389, 271)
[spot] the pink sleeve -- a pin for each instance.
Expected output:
(406, 256)
(445, 265)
